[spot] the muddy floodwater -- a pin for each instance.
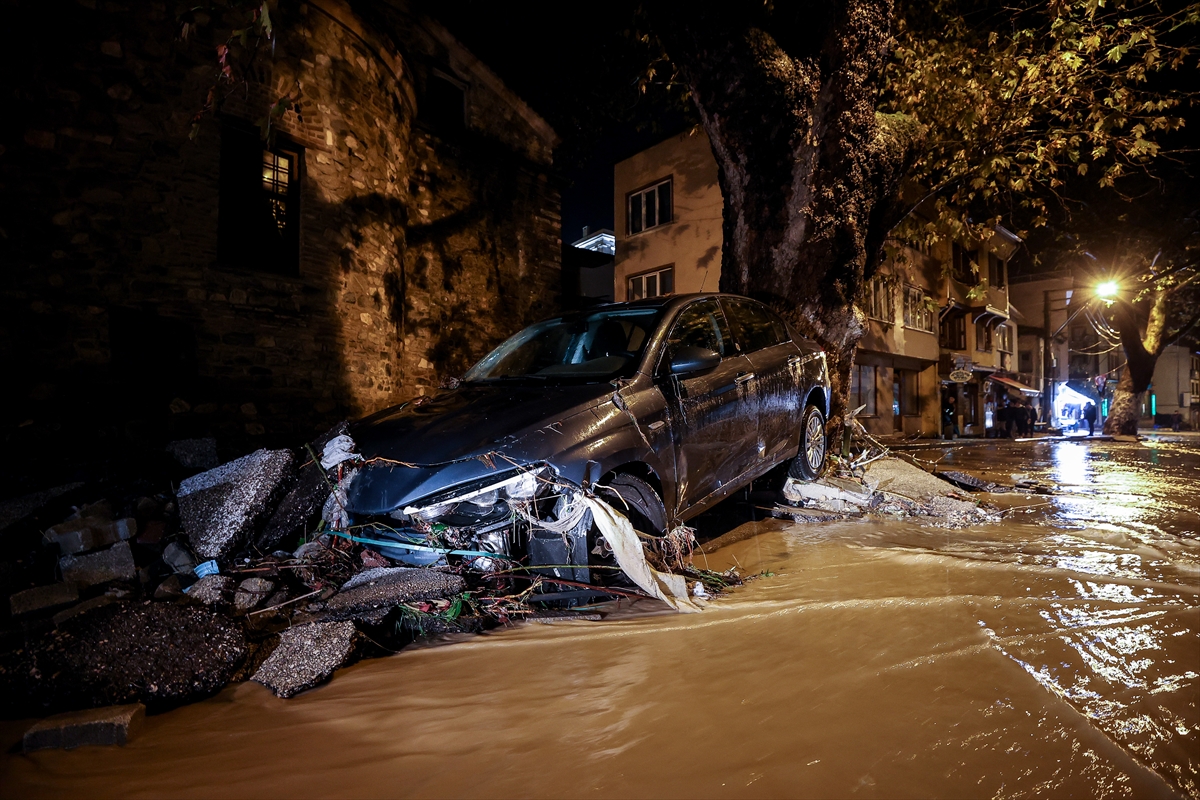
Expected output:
(1053, 654)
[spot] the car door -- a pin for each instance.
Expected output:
(714, 415)
(764, 340)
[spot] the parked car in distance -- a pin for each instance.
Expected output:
(663, 407)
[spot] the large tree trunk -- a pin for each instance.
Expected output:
(1141, 356)
(808, 171)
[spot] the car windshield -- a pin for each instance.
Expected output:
(588, 346)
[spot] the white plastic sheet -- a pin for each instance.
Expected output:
(621, 537)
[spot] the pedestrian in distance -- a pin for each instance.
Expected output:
(1089, 414)
(949, 418)
(1020, 418)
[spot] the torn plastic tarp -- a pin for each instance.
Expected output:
(339, 449)
(627, 547)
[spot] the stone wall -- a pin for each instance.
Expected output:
(420, 249)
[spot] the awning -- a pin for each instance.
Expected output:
(1020, 387)
(988, 315)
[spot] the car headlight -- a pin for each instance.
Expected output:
(518, 486)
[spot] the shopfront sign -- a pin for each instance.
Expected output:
(960, 375)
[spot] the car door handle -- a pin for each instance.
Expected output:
(795, 361)
(743, 377)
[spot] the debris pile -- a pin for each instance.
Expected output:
(888, 486)
(255, 569)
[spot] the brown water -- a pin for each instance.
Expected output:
(1055, 654)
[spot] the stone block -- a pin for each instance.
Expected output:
(220, 508)
(89, 533)
(113, 564)
(42, 597)
(112, 725)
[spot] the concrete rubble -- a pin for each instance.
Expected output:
(306, 656)
(888, 486)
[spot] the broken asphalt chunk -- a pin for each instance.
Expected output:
(153, 653)
(220, 508)
(371, 594)
(306, 656)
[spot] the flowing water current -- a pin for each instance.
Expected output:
(1053, 654)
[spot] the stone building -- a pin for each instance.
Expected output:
(400, 221)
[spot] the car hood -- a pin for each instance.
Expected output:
(447, 437)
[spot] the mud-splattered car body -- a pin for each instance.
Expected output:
(467, 463)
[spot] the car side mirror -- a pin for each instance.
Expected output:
(690, 360)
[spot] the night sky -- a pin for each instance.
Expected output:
(576, 64)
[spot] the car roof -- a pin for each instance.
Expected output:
(665, 300)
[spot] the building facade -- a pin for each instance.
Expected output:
(399, 222)
(938, 321)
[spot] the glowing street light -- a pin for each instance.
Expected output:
(1107, 290)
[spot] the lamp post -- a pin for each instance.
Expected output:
(1108, 292)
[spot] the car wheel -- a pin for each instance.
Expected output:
(638, 501)
(810, 461)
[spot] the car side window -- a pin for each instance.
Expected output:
(754, 325)
(700, 325)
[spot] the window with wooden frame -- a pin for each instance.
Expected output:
(654, 283)
(917, 313)
(1004, 341)
(996, 271)
(952, 332)
(258, 212)
(964, 266)
(649, 207)
(983, 337)
(881, 303)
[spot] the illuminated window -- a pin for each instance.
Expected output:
(651, 284)
(258, 212)
(648, 208)
(917, 313)
(1004, 341)
(277, 170)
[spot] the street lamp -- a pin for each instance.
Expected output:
(1107, 290)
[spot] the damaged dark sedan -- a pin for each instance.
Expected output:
(661, 407)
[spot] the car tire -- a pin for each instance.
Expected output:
(638, 501)
(814, 446)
